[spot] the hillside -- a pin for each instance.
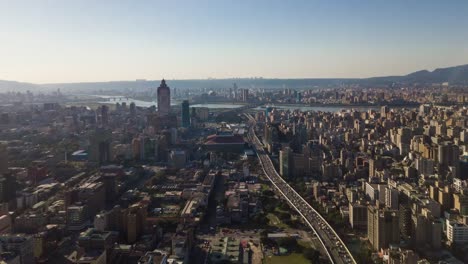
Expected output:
(453, 75)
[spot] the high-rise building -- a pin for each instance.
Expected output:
(271, 135)
(245, 95)
(425, 166)
(110, 186)
(299, 165)
(456, 232)
(461, 203)
(434, 193)
(3, 159)
(357, 215)
(426, 230)
(7, 188)
(384, 110)
(391, 198)
(405, 223)
(93, 195)
(382, 227)
(448, 154)
(164, 99)
(424, 109)
(134, 219)
(77, 217)
(132, 109)
(185, 113)
(375, 164)
(285, 157)
(100, 150)
(445, 198)
(104, 115)
(138, 152)
(359, 126)
(331, 171)
(464, 135)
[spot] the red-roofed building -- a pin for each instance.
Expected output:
(225, 141)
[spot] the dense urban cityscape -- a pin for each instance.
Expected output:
(349, 174)
(234, 132)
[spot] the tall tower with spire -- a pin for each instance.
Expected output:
(164, 99)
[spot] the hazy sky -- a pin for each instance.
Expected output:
(46, 41)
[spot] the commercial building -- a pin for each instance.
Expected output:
(77, 217)
(185, 114)
(357, 215)
(225, 141)
(456, 232)
(100, 146)
(382, 227)
(285, 159)
(164, 99)
(391, 198)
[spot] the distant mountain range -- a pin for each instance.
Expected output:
(17, 86)
(453, 75)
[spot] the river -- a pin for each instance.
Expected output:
(140, 103)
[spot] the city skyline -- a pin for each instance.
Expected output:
(224, 132)
(53, 42)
